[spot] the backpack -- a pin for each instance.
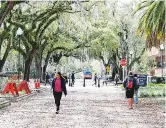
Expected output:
(130, 83)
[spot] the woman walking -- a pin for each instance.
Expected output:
(58, 86)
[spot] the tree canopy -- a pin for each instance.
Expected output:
(85, 30)
(152, 21)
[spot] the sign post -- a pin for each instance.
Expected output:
(123, 63)
(123, 72)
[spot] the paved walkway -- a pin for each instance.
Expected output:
(89, 107)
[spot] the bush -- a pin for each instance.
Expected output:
(149, 94)
(121, 86)
(141, 95)
(153, 94)
(160, 94)
(146, 94)
(153, 84)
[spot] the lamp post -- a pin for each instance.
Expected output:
(131, 53)
(162, 50)
(19, 33)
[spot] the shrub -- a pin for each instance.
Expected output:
(152, 91)
(141, 94)
(149, 94)
(153, 94)
(153, 84)
(159, 94)
(146, 94)
(121, 86)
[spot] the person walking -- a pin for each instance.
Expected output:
(47, 78)
(65, 77)
(95, 79)
(58, 86)
(129, 84)
(105, 79)
(53, 75)
(116, 79)
(72, 78)
(136, 89)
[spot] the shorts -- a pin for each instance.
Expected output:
(130, 93)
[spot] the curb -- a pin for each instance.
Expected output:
(7, 100)
(5, 103)
(16, 99)
(40, 90)
(23, 97)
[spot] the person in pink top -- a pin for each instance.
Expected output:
(58, 86)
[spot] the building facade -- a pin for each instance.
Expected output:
(157, 56)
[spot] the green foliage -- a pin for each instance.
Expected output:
(152, 90)
(158, 85)
(142, 66)
(152, 22)
(83, 29)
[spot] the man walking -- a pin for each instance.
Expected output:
(116, 79)
(136, 89)
(47, 78)
(129, 84)
(95, 79)
(65, 77)
(105, 79)
(72, 78)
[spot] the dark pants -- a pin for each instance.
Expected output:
(104, 82)
(73, 80)
(95, 82)
(116, 82)
(47, 81)
(57, 97)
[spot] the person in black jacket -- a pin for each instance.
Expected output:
(136, 88)
(129, 84)
(73, 78)
(58, 86)
(65, 77)
(47, 78)
(95, 79)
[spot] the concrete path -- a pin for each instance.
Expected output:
(88, 107)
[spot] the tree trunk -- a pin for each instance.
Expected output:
(7, 7)
(115, 66)
(46, 64)
(27, 67)
(38, 67)
(2, 62)
(114, 72)
(44, 72)
(121, 73)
